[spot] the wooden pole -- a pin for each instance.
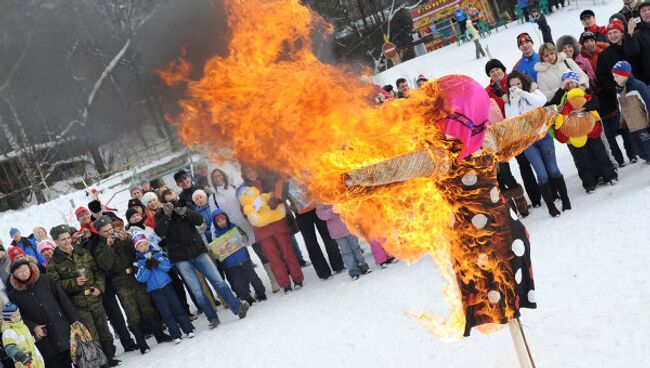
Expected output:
(521, 345)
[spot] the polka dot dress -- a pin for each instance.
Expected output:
(490, 246)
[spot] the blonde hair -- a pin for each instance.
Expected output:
(547, 47)
(40, 233)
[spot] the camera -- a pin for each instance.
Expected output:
(116, 234)
(178, 203)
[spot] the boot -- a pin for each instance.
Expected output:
(564, 196)
(139, 338)
(547, 195)
(274, 284)
(156, 328)
(107, 348)
(516, 198)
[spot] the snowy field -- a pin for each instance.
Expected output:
(590, 273)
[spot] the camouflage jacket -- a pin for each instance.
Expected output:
(118, 260)
(65, 268)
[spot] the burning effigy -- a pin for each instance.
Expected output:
(419, 172)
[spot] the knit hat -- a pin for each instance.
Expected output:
(56, 231)
(197, 193)
(15, 252)
(523, 37)
(8, 311)
(570, 76)
(134, 202)
(587, 36)
(130, 212)
(80, 210)
(421, 77)
(587, 13)
(13, 231)
(15, 265)
(616, 24)
(622, 68)
(95, 206)
(494, 63)
(45, 244)
(102, 221)
(139, 237)
(148, 197)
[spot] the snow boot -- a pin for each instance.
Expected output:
(564, 196)
(243, 309)
(274, 284)
(214, 323)
(139, 338)
(547, 195)
(108, 349)
(515, 197)
(156, 328)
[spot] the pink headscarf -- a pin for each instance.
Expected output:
(468, 104)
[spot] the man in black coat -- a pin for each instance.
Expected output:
(184, 181)
(46, 310)
(639, 44)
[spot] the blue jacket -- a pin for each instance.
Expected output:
(157, 277)
(526, 65)
(634, 84)
(460, 15)
(30, 248)
(522, 3)
(205, 212)
(239, 256)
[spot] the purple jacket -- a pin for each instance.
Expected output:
(335, 225)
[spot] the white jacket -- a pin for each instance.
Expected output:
(549, 76)
(226, 200)
(527, 102)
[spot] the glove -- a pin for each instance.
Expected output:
(496, 88)
(23, 358)
(181, 210)
(151, 263)
(168, 208)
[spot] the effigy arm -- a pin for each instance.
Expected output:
(512, 136)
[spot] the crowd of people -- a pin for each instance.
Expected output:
(599, 82)
(168, 246)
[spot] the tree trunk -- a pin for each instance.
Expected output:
(97, 158)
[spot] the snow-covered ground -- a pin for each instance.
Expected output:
(590, 273)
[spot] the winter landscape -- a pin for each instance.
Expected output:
(590, 270)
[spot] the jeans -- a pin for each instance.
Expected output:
(542, 156)
(171, 311)
(352, 256)
(204, 264)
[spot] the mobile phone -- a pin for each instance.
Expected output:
(637, 20)
(116, 234)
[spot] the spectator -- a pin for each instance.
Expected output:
(588, 152)
(46, 249)
(381, 257)
(634, 102)
(184, 181)
(630, 9)
(97, 210)
(474, 35)
(115, 255)
(176, 223)
(556, 4)
(150, 200)
(388, 88)
(591, 49)
(75, 271)
(639, 44)
(145, 185)
(201, 201)
(570, 47)
(349, 244)
(523, 97)
(607, 95)
(201, 177)
(46, 310)
(523, 5)
(461, 17)
(39, 234)
(17, 340)
(402, 88)
(526, 65)
(4, 263)
(153, 268)
(588, 20)
(421, 80)
(238, 264)
(28, 246)
(551, 68)
(540, 19)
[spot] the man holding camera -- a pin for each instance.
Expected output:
(176, 223)
(116, 254)
(75, 271)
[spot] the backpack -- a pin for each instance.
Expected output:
(85, 352)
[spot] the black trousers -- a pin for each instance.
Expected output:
(610, 125)
(504, 177)
(592, 163)
(242, 277)
(530, 182)
(115, 316)
(306, 223)
(61, 360)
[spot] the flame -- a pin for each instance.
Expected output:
(271, 101)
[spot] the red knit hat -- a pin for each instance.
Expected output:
(80, 210)
(14, 252)
(616, 24)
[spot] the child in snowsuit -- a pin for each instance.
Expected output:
(474, 35)
(18, 341)
(634, 103)
(153, 267)
(239, 267)
(349, 244)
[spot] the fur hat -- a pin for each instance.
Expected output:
(15, 252)
(568, 40)
(95, 206)
(102, 221)
(148, 197)
(494, 63)
(56, 231)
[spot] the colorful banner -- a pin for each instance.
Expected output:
(227, 244)
(425, 15)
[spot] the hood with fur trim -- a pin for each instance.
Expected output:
(569, 40)
(23, 285)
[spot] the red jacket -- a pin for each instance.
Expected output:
(599, 31)
(593, 58)
(494, 96)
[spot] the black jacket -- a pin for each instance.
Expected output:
(182, 240)
(545, 29)
(186, 194)
(639, 46)
(43, 302)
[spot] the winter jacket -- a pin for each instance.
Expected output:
(527, 102)
(549, 76)
(547, 37)
(639, 46)
(238, 257)
(606, 60)
(182, 240)
(460, 15)
(117, 260)
(42, 302)
(582, 61)
(16, 337)
(600, 32)
(526, 65)
(186, 195)
(152, 237)
(225, 198)
(257, 210)
(631, 11)
(205, 213)
(4, 267)
(634, 102)
(150, 218)
(64, 270)
(497, 96)
(593, 57)
(30, 249)
(335, 225)
(157, 277)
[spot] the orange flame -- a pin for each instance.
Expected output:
(271, 101)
